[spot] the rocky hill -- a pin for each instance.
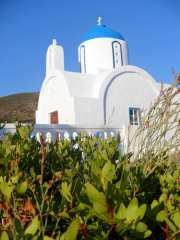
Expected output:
(18, 107)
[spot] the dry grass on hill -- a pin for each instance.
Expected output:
(18, 107)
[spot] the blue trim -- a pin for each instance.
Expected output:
(113, 53)
(102, 32)
(84, 60)
(105, 94)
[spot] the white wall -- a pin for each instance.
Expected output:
(54, 96)
(54, 58)
(65, 110)
(126, 90)
(88, 112)
(99, 54)
(129, 87)
(114, 92)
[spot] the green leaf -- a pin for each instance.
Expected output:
(101, 211)
(142, 210)
(121, 214)
(58, 237)
(47, 238)
(96, 170)
(15, 179)
(6, 189)
(24, 131)
(132, 210)
(98, 200)
(34, 237)
(141, 227)
(82, 206)
(18, 226)
(108, 171)
(72, 231)
(147, 233)
(22, 187)
(171, 225)
(66, 191)
(4, 236)
(33, 227)
(94, 195)
(122, 227)
(161, 216)
(32, 173)
(163, 197)
(63, 215)
(154, 204)
(176, 219)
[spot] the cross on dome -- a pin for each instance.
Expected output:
(99, 21)
(54, 42)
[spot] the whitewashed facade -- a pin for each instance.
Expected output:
(106, 93)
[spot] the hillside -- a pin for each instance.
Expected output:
(18, 107)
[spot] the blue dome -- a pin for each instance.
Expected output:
(101, 31)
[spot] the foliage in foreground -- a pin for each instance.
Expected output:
(87, 189)
(53, 191)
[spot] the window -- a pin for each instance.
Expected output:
(117, 54)
(82, 59)
(134, 116)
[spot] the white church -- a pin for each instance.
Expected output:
(107, 92)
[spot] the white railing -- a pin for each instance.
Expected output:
(53, 132)
(60, 132)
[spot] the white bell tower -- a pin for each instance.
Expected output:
(54, 58)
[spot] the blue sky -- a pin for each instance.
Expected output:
(151, 28)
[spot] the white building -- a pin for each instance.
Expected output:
(108, 92)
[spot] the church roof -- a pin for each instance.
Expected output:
(102, 31)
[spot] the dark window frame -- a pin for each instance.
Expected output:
(84, 58)
(134, 116)
(113, 52)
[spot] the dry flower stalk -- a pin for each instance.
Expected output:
(158, 136)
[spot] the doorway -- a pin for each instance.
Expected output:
(54, 117)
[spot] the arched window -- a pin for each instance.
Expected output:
(117, 54)
(82, 59)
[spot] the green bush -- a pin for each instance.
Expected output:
(87, 189)
(77, 190)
